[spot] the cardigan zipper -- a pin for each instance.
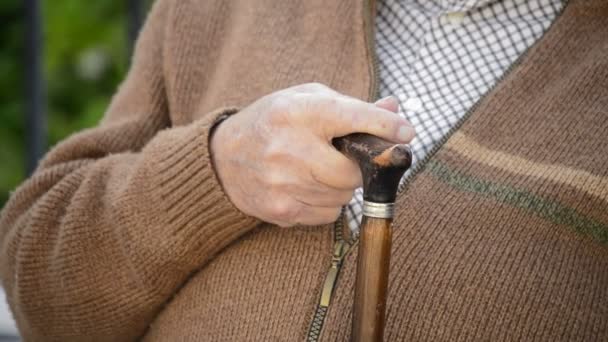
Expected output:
(341, 246)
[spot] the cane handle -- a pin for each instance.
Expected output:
(382, 164)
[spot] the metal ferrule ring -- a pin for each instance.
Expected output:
(378, 210)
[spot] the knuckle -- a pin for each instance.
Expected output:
(303, 98)
(284, 210)
(316, 86)
(304, 104)
(280, 102)
(275, 151)
(344, 115)
(278, 209)
(328, 100)
(312, 105)
(275, 180)
(359, 118)
(278, 109)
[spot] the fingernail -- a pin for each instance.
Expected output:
(384, 99)
(406, 133)
(389, 103)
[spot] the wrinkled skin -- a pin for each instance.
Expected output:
(275, 159)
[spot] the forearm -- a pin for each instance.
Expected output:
(97, 246)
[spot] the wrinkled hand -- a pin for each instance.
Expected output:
(275, 159)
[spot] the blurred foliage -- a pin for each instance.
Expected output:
(85, 57)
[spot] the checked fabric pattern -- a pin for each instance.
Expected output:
(439, 58)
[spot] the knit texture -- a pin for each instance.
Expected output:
(124, 232)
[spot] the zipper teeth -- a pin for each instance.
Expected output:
(339, 226)
(314, 332)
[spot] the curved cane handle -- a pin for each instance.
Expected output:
(382, 164)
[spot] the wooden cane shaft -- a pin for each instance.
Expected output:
(382, 165)
(372, 280)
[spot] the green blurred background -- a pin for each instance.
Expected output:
(86, 55)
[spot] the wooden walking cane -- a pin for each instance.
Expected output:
(382, 165)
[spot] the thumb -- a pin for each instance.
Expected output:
(389, 103)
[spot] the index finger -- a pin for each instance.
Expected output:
(343, 116)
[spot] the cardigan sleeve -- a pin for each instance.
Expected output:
(117, 217)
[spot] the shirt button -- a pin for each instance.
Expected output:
(413, 104)
(455, 18)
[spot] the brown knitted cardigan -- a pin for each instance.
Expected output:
(124, 232)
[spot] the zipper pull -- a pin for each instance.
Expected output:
(340, 249)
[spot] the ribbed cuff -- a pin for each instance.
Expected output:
(188, 216)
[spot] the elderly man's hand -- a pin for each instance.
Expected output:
(275, 159)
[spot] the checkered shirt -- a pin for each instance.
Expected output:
(439, 57)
